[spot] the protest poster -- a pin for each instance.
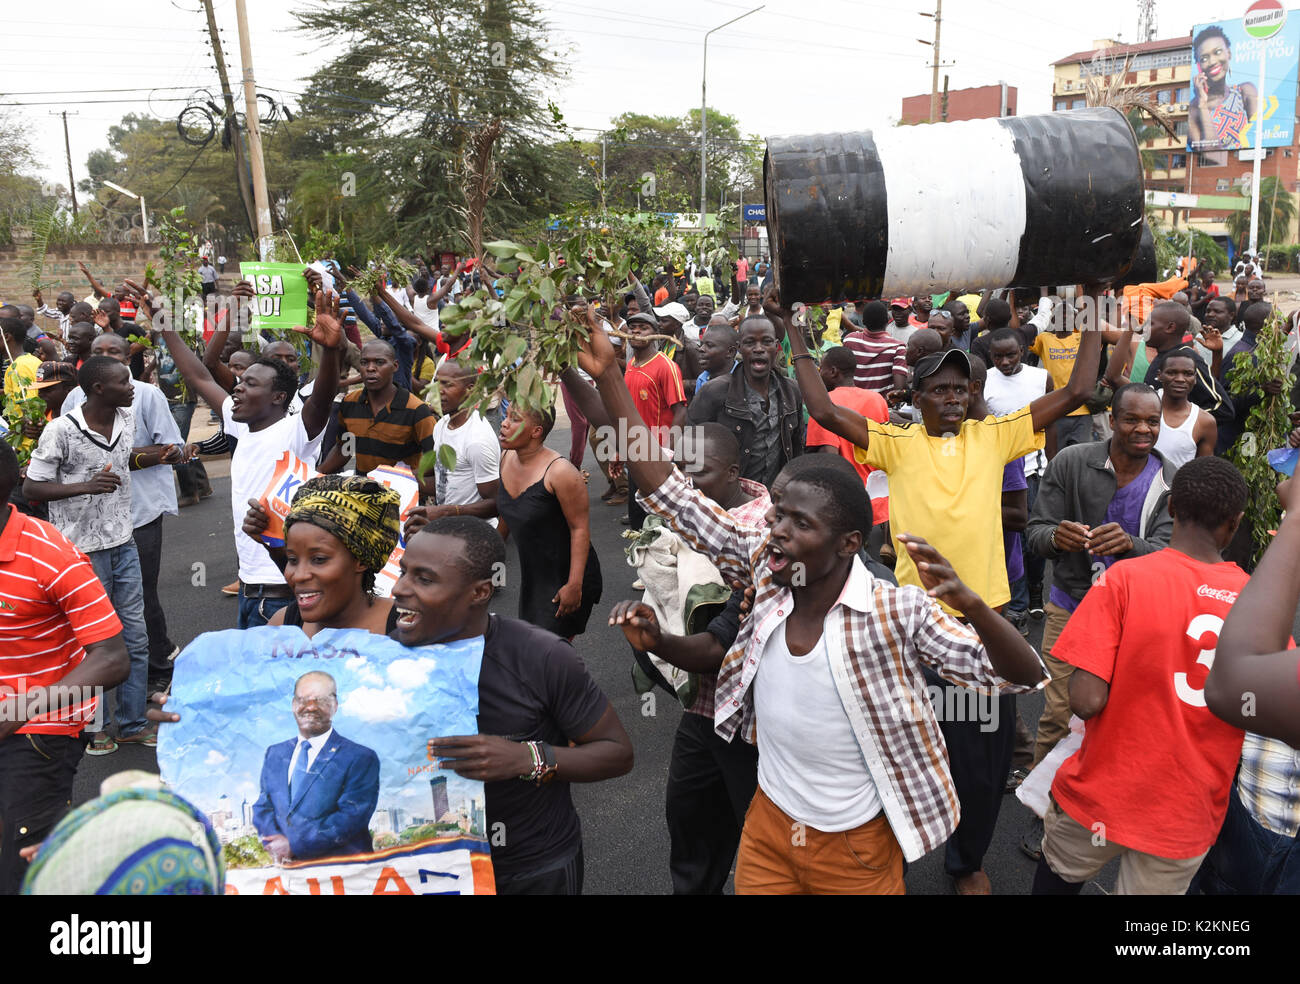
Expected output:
(1225, 98)
(401, 480)
(281, 303)
(369, 813)
(277, 498)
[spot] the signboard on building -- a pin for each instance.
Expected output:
(753, 213)
(1226, 96)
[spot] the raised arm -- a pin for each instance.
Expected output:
(188, 364)
(95, 285)
(407, 319)
(836, 419)
(327, 332)
(1053, 406)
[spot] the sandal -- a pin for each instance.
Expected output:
(148, 737)
(1015, 778)
(101, 745)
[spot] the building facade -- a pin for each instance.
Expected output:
(1165, 69)
(979, 103)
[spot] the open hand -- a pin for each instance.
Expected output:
(937, 575)
(327, 330)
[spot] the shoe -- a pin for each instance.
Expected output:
(624, 520)
(187, 500)
(231, 589)
(1032, 843)
(148, 737)
(638, 585)
(618, 499)
(1015, 777)
(205, 492)
(101, 745)
(604, 496)
(976, 883)
(1036, 601)
(1020, 620)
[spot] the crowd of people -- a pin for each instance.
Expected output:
(878, 498)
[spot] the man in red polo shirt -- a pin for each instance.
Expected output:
(62, 645)
(655, 382)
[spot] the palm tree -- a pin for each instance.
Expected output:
(1277, 208)
(1143, 131)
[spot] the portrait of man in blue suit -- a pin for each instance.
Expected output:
(319, 790)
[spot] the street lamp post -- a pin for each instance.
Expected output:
(144, 218)
(704, 102)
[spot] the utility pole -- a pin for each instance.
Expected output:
(260, 197)
(241, 169)
(934, 78)
(944, 110)
(704, 107)
(67, 147)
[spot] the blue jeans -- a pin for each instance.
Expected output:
(118, 570)
(192, 475)
(258, 611)
(1019, 596)
(1248, 858)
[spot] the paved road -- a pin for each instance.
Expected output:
(625, 838)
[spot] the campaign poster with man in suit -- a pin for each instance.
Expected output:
(318, 790)
(310, 758)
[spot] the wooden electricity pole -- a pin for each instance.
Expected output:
(237, 142)
(260, 198)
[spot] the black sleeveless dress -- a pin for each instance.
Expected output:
(539, 529)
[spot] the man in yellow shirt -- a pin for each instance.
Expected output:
(945, 474)
(1058, 351)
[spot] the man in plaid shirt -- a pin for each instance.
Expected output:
(853, 772)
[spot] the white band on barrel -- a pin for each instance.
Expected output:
(956, 211)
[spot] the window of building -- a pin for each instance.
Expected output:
(1180, 128)
(1078, 103)
(1062, 104)
(1162, 97)
(1222, 184)
(1286, 152)
(1212, 158)
(1177, 161)
(1159, 162)
(1182, 94)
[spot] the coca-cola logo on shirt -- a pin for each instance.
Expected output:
(1218, 594)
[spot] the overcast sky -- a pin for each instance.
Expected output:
(795, 66)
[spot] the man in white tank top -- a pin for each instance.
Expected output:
(1186, 431)
(1010, 386)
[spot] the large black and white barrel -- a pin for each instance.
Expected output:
(1012, 202)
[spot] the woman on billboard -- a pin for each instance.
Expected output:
(1219, 112)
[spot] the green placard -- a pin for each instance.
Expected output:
(281, 295)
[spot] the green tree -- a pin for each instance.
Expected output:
(415, 88)
(1277, 209)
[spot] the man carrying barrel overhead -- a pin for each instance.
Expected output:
(945, 484)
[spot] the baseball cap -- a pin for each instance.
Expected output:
(53, 373)
(933, 363)
(675, 311)
(901, 302)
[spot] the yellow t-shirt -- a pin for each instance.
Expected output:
(20, 375)
(1058, 355)
(949, 491)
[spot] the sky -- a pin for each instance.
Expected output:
(796, 66)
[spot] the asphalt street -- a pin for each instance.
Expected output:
(624, 834)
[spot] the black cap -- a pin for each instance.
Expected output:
(643, 318)
(933, 363)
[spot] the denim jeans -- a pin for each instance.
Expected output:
(258, 611)
(191, 475)
(118, 570)
(1248, 858)
(148, 544)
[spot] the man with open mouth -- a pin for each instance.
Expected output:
(756, 403)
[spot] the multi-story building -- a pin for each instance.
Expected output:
(1164, 68)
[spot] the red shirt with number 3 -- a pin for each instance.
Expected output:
(1155, 766)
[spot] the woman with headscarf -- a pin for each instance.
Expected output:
(339, 534)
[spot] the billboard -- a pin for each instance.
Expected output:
(1225, 95)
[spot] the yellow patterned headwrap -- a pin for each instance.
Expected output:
(361, 512)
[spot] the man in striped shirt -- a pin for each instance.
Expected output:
(57, 628)
(882, 359)
(381, 424)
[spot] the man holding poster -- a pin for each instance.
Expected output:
(256, 415)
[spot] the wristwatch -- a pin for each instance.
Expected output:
(548, 763)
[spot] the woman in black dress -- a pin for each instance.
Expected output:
(542, 499)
